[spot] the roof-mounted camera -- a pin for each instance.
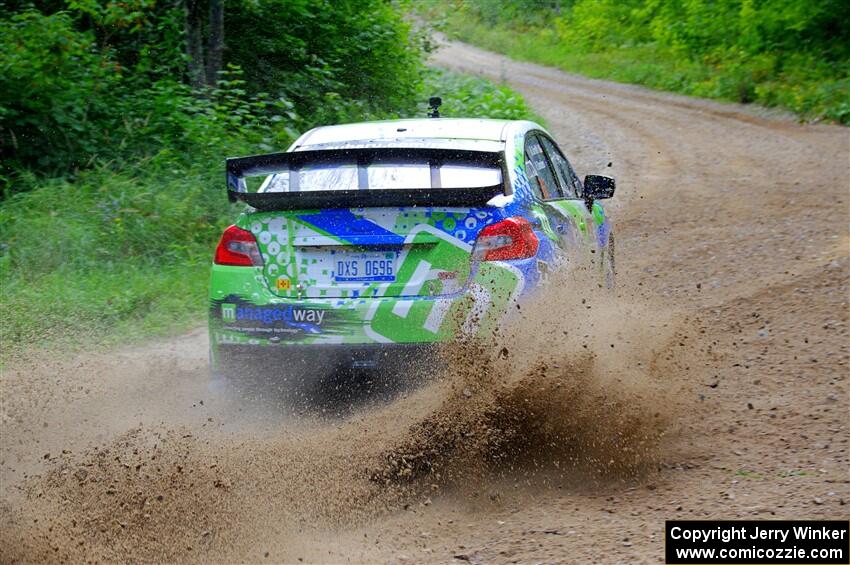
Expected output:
(434, 104)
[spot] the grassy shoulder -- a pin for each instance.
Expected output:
(812, 87)
(108, 257)
(123, 253)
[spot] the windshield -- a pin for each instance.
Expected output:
(380, 175)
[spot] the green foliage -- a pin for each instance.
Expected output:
(54, 90)
(65, 106)
(325, 54)
(789, 53)
(102, 82)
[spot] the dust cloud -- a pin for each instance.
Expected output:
(573, 383)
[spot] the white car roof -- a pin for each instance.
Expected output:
(402, 132)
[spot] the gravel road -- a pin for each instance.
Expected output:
(712, 384)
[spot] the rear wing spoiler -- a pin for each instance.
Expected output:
(239, 168)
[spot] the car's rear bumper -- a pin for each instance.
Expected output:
(244, 312)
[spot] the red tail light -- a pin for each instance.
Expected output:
(509, 239)
(238, 247)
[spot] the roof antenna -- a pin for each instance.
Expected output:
(434, 104)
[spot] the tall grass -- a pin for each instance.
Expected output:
(112, 250)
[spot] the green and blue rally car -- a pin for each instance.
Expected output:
(366, 243)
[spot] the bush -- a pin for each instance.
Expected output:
(105, 82)
(326, 53)
(56, 92)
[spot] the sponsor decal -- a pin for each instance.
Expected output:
(290, 322)
(270, 314)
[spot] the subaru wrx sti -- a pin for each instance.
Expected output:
(364, 244)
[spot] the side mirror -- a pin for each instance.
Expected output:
(597, 187)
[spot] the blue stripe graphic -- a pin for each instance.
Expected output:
(345, 225)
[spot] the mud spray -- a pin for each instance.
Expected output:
(581, 384)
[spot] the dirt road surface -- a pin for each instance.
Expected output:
(712, 384)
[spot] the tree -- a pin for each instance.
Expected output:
(215, 40)
(204, 59)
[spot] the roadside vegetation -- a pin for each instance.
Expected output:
(115, 119)
(793, 54)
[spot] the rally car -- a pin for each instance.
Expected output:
(364, 244)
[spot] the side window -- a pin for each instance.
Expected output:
(539, 170)
(568, 178)
(531, 173)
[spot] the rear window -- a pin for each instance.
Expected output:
(381, 174)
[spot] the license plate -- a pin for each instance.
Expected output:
(364, 267)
